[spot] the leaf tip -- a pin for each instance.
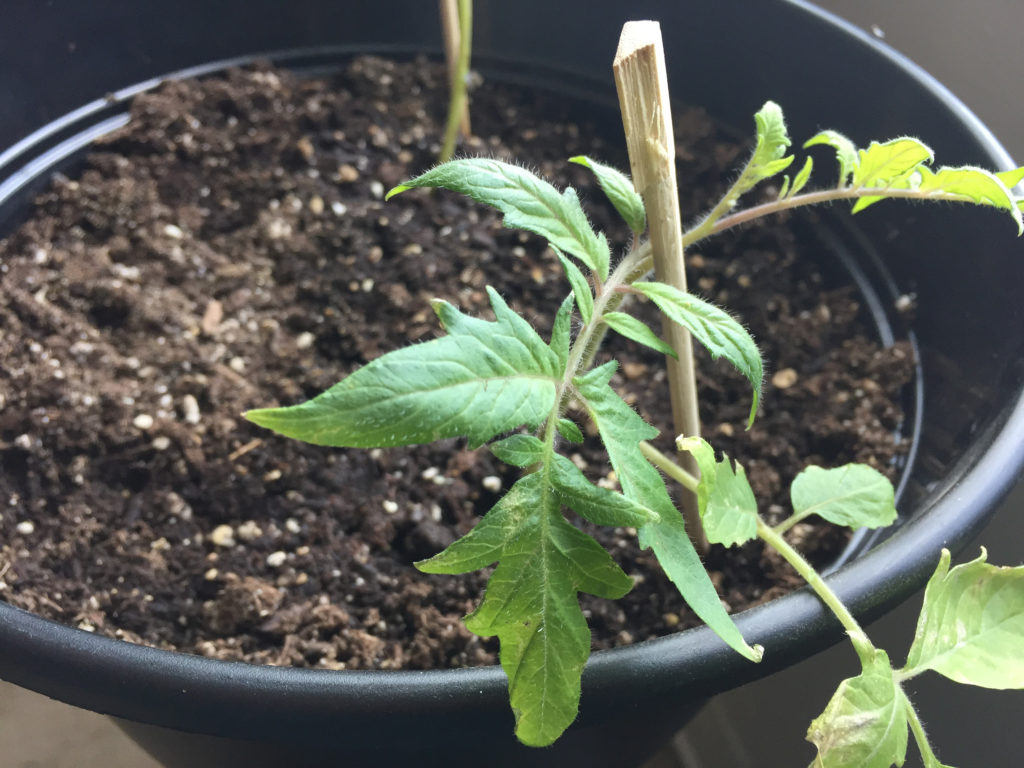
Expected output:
(396, 191)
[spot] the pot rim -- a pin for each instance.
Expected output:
(790, 627)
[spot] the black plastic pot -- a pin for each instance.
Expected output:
(965, 267)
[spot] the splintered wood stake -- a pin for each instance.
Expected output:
(642, 84)
(452, 40)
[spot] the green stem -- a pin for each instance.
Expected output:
(857, 635)
(669, 467)
(923, 745)
(457, 99)
(792, 520)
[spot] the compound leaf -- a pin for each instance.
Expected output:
(864, 724)
(971, 627)
(622, 430)
(726, 501)
(531, 601)
(482, 379)
(635, 329)
(888, 165)
(527, 201)
(854, 495)
(712, 327)
(619, 190)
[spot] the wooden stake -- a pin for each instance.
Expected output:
(452, 40)
(642, 84)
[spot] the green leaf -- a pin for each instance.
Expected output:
(971, 627)
(800, 181)
(519, 450)
(531, 601)
(561, 331)
(527, 201)
(864, 724)
(619, 189)
(634, 329)
(569, 431)
(1011, 178)
(846, 152)
(976, 184)
(481, 379)
(598, 505)
(714, 328)
(769, 156)
(622, 430)
(580, 288)
(726, 501)
(888, 164)
(854, 495)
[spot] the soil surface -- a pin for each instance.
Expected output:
(230, 249)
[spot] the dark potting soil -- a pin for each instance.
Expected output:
(230, 249)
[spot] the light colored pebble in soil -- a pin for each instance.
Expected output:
(190, 409)
(223, 536)
(305, 340)
(390, 507)
(492, 483)
(25, 527)
(249, 530)
(785, 378)
(276, 559)
(143, 421)
(292, 525)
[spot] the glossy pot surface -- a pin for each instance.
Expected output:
(964, 266)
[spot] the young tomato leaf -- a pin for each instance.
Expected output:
(720, 334)
(598, 505)
(481, 379)
(1011, 178)
(531, 600)
(726, 501)
(635, 329)
(854, 495)
(800, 180)
(519, 450)
(622, 430)
(769, 156)
(887, 164)
(864, 724)
(569, 431)
(561, 331)
(971, 627)
(580, 288)
(619, 189)
(975, 184)
(527, 201)
(846, 152)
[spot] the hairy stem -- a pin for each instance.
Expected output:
(857, 635)
(669, 467)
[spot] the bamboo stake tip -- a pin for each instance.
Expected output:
(635, 36)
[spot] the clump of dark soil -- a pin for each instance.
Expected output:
(230, 249)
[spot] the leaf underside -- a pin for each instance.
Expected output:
(854, 495)
(971, 627)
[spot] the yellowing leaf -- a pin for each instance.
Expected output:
(971, 627)
(854, 495)
(976, 184)
(727, 505)
(864, 724)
